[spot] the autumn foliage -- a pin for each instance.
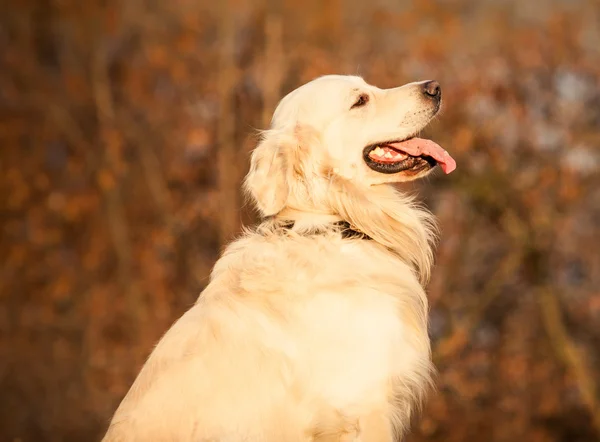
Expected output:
(125, 128)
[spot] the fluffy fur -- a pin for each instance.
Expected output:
(302, 335)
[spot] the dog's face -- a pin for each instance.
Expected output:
(342, 126)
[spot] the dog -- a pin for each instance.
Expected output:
(314, 324)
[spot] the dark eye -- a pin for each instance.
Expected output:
(361, 101)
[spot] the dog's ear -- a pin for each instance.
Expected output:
(267, 181)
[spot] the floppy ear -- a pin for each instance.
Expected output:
(267, 181)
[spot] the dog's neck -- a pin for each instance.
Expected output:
(390, 218)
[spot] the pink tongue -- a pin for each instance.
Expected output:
(420, 146)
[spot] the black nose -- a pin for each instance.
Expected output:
(432, 89)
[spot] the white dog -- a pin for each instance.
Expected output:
(314, 324)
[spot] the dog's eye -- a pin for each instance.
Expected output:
(361, 101)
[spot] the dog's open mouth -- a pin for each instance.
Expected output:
(413, 155)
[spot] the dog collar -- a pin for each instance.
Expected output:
(345, 228)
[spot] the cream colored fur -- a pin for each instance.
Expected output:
(302, 335)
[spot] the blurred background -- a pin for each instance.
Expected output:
(126, 127)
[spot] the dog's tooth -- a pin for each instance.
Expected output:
(378, 151)
(388, 155)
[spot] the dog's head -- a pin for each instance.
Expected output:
(341, 128)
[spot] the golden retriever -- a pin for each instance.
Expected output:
(314, 324)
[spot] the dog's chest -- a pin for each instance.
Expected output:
(354, 316)
(356, 342)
